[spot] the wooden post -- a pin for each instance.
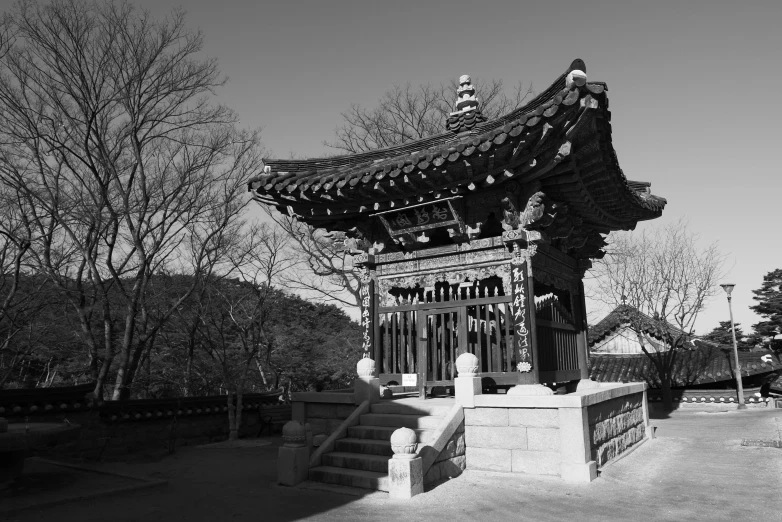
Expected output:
(365, 264)
(423, 328)
(375, 318)
(579, 302)
(367, 316)
(523, 319)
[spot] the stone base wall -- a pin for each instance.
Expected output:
(520, 440)
(451, 461)
(614, 426)
(562, 435)
(324, 411)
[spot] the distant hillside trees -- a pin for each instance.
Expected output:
(120, 165)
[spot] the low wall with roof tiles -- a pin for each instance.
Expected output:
(116, 429)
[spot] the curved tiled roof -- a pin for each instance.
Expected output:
(620, 316)
(562, 139)
(705, 363)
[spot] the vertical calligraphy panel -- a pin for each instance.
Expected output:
(522, 327)
(366, 293)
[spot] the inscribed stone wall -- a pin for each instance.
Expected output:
(518, 440)
(614, 426)
(451, 460)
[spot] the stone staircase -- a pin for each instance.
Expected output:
(360, 460)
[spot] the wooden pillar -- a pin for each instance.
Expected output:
(523, 293)
(579, 308)
(365, 264)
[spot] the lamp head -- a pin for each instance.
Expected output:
(728, 287)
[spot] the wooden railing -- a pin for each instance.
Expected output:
(487, 333)
(557, 342)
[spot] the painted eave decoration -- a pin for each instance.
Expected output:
(561, 139)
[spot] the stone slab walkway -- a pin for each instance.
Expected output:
(696, 469)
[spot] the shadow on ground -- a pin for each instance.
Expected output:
(696, 469)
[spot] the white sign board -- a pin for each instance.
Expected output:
(409, 379)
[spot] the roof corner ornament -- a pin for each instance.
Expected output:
(467, 113)
(575, 77)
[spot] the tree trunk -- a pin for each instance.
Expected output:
(233, 434)
(189, 370)
(665, 388)
(263, 374)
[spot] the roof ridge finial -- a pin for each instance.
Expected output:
(465, 96)
(466, 109)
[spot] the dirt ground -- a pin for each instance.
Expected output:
(696, 469)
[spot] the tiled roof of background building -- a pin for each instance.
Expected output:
(704, 363)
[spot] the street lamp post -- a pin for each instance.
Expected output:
(728, 287)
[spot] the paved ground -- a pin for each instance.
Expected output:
(696, 469)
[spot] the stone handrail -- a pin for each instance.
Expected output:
(339, 433)
(448, 426)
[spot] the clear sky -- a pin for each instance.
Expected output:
(694, 88)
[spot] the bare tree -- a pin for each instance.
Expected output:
(21, 297)
(323, 270)
(125, 167)
(665, 281)
(407, 113)
(235, 315)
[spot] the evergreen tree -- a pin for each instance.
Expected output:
(769, 297)
(721, 335)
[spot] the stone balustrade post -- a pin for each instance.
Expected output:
(293, 458)
(468, 383)
(405, 469)
(575, 452)
(367, 386)
(308, 431)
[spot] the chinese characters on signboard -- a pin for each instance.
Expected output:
(521, 317)
(419, 218)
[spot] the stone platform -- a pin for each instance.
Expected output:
(567, 436)
(570, 436)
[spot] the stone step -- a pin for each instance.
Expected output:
(364, 446)
(384, 433)
(429, 422)
(438, 407)
(355, 478)
(339, 459)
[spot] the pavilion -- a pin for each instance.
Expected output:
(471, 247)
(458, 235)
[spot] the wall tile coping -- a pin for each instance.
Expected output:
(327, 397)
(578, 399)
